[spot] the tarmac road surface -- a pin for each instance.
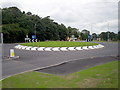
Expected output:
(31, 60)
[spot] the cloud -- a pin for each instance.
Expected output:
(111, 23)
(75, 13)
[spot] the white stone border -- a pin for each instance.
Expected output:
(58, 48)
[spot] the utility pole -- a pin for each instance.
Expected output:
(108, 32)
(35, 29)
(2, 49)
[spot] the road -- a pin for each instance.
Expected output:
(30, 60)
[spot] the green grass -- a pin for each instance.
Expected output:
(102, 76)
(59, 44)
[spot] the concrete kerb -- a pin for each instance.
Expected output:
(12, 58)
(58, 48)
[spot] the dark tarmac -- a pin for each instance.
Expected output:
(77, 65)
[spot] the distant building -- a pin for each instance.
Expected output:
(73, 38)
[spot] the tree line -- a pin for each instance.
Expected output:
(16, 24)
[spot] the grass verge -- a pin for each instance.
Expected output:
(102, 76)
(59, 44)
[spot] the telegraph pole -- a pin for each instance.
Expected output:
(35, 29)
(2, 50)
(108, 32)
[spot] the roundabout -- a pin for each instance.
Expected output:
(32, 59)
(59, 46)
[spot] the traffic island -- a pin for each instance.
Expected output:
(58, 46)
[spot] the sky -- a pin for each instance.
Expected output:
(94, 15)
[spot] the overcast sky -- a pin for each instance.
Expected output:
(94, 15)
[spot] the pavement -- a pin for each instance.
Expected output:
(33, 60)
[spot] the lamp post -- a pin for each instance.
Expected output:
(2, 48)
(108, 36)
(108, 33)
(35, 29)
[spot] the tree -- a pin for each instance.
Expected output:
(46, 29)
(72, 31)
(13, 33)
(108, 35)
(84, 34)
(94, 36)
(118, 36)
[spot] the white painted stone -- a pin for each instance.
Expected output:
(41, 49)
(95, 46)
(55, 49)
(16, 46)
(78, 48)
(71, 48)
(91, 47)
(48, 49)
(85, 48)
(23, 47)
(33, 48)
(100, 46)
(20, 47)
(28, 48)
(63, 49)
(59, 48)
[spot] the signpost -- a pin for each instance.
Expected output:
(27, 39)
(89, 37)
(34, 38)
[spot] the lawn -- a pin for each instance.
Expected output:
(101, 76)
(59, 44)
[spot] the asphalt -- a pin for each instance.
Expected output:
(77, 65)
(31, 60)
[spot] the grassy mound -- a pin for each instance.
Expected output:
(59, 44)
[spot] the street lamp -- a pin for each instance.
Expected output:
(108, 35)
(108, 32)
(35, 29)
